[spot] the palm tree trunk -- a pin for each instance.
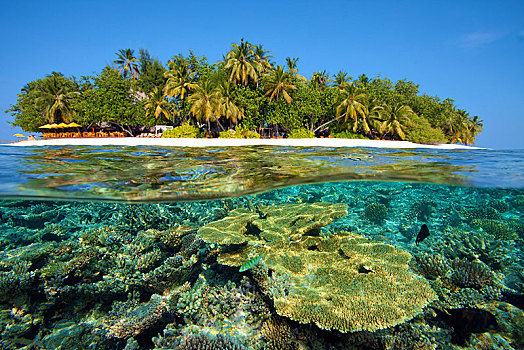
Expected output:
(220, 125)
(329, 122)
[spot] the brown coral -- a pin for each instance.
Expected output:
(434, 265)
(138, 319)
(474, 274)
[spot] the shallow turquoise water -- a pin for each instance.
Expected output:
(82, 267)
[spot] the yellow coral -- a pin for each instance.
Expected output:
(229, 230)
(346, 282)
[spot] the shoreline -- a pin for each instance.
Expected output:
(217, 142)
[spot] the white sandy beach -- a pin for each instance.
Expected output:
(216, 142)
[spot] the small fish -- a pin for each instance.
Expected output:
(424, 232)
(250, 263)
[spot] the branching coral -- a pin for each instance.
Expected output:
(478, 245)
(344, 282)
(496, 228)
(474, 274)
(208, 342)
(434, 265)
(136, 320)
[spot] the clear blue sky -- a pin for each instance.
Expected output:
(470, 51)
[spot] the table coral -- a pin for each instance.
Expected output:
(344, 282)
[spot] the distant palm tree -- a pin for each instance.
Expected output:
(292, 68)
(352, 105)
(179, 77)
(320, 80)
(397, 118)
(127, 63)
(241, 61)
(205, 103)
(341, 78)
(55, 99)
(263, 58)
(228, 108)
(157, 104)
(279, 83)
(474, 128)
(452, 127)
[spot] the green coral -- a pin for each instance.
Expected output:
(345, 282)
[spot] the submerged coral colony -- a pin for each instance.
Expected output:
(327, 266)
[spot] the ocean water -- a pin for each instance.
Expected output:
(261, 248)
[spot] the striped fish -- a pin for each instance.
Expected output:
(250, 263)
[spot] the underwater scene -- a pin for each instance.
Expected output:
(261, 248)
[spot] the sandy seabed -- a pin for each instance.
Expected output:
(217, 142)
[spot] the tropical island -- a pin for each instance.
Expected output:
(246, 95)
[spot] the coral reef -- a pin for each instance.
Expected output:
(474, 274)
(422, 209)
(433, 265)
(344, 282)
(375, 213)
(134, 321)
(496, 228)
(208, 342)
(165, 276)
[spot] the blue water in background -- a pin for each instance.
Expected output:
(86, 238)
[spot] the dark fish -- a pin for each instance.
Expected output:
(514, 299)
(423, 233)
(466, 321)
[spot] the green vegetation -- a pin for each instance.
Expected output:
(239, 133)
(183, 131)
(301, 133)
(242, 96)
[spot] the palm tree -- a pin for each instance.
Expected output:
(320, 80)
(55, 98)
(242, 62)
(205, 102)
(474, 128)
(451, 127)
(127, 63)
(263, 58)
(279, 83)
(341, 78)
(157, 104)
(352, 104)
(179, 78)
(228, 108)
(397, 118)
(292, 68)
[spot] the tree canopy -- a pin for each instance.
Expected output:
(246, 89)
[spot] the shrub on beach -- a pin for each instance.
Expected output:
(423, 132)
(182, 131)
(301, 133)
(239, 133)
(348, 135)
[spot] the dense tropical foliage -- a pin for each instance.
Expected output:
(245, 91)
